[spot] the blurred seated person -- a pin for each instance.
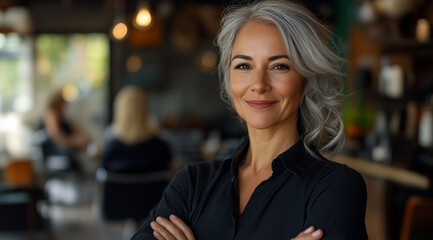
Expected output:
(134, 146)
(64, 138)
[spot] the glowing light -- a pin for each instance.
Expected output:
(119, 31)
(70, 92)
(208, 60)
(422, 30)
(133, 64)
(143, 18)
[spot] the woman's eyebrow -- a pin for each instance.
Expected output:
(242, 57)
(277, 57)
(270, 58)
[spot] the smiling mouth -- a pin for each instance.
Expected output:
(260, 104)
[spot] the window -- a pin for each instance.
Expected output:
(79, 65)
(74, 59)
(31, 68)
(15, 73)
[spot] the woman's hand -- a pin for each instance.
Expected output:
(176, 229)
(309, 234)
(173, 229)
(79, 141)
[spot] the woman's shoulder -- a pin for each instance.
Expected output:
(327, 172)
(146, 144)
(329, 167)
(113, 143)
(156, 142)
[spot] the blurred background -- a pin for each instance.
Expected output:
(88, 50)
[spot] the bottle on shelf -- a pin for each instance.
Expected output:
(425, 131)
(379, 140)
(391, 79)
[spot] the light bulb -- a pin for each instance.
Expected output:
(119, 31)
(143, 17)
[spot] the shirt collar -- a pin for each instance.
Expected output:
(296, 159)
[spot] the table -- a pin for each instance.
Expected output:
(386, 172)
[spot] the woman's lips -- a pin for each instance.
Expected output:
(260, 104)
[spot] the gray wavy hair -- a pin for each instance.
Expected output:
(310, 48)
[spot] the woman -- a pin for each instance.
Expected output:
(281, 76)
(64, 137)
(134, 146)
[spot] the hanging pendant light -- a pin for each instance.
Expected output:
(119, 30)
(143, 18)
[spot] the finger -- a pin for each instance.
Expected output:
(158, 236)
(309, 230)
(305, 232)
(309, 234)
(175, 231)
(160, 230)
(316, 235)
(182, 225)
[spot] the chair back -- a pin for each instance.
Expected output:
(19, 172)
(130, 195)
(18, 210)
(417, 219)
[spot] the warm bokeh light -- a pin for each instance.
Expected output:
(143, 19)
(120, 30)
(208, 60)
(133, 64)
(70, 92)
(422, 30)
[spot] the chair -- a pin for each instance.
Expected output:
(19, 212)
(19, 172)
(21, 201)
(418, 219)
(130, 195)
(56, 161)
(59, 170)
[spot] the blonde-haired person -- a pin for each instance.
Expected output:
(134, 145)
(279, 73)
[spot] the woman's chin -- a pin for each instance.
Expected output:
(257, 124)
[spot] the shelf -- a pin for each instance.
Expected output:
(407, 46)
(389, 104)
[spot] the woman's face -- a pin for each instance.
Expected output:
(266, 89)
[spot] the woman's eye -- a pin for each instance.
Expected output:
(281, 67)
(242, 66)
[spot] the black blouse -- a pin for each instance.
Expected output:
(150, 155)
(303, 191)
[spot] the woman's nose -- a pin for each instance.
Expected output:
(260, 82)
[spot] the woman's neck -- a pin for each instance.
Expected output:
(266, 145)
